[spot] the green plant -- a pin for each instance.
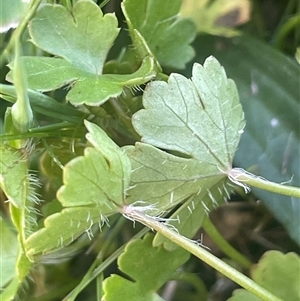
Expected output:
(73, 169)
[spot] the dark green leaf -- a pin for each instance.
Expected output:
(167, 36)
(268, 86)
(147, 266)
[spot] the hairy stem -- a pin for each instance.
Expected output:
(95, 272)
(201, 253)
(240, 176)
(224, 246)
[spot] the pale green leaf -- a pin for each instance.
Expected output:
(11, 13)
(279, 273)
(167, 36)
(262, 91)
(41, 69)
(188, 218)
(96, 90)
(157, 265)
(46, 74)
(80, 41)
(165, 180)
(201, 118)
(18, 187)
(10, 290)
(13, 175)
(93, 186)
(83, 37)
(8, 253)
(98, 177)
(64, 227)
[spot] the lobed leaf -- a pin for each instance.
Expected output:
(13, 175)
(165, 180)
(10, 14)
(81, 40)
(46, 74)
(167, 36)
(273, 125)
(82, 37)
(276, 272)
(18, 186)
(8, 253)
(98, 177)
(275, 267)
(93, 187)
(188, 218)
(64, 227)
(201, 118)
(158, 265)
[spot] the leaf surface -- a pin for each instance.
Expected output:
(64, 227)
(82, 37)
(93, 186)
(165, 180)
(275, 267)
(188, 218)
(80, 41)
(276, 272)
(273, 125)
(201, 118)
(10, 14)
(13, 175)
(158, 264)
(8, 253)
(167, 36)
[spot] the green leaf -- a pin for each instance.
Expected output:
(274, 268)
(18, 187)
(44, 104)
(98, 177)
(201, 118)
(188, 218)
(93, 186)
(64, 227)
(81, 40)
(8, 253)
(276, 272)
(167, 36)
(46, 74)
(148, 267)
(11, 13)
(83, 37)
(263, 84)
(13, 175)
(174, 178)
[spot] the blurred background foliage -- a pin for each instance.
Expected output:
(257, 41)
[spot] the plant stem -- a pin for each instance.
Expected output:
(201, 253)
(224, 246)
(32, 7)
(94, 272)
(240, 176)
(285, 29)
